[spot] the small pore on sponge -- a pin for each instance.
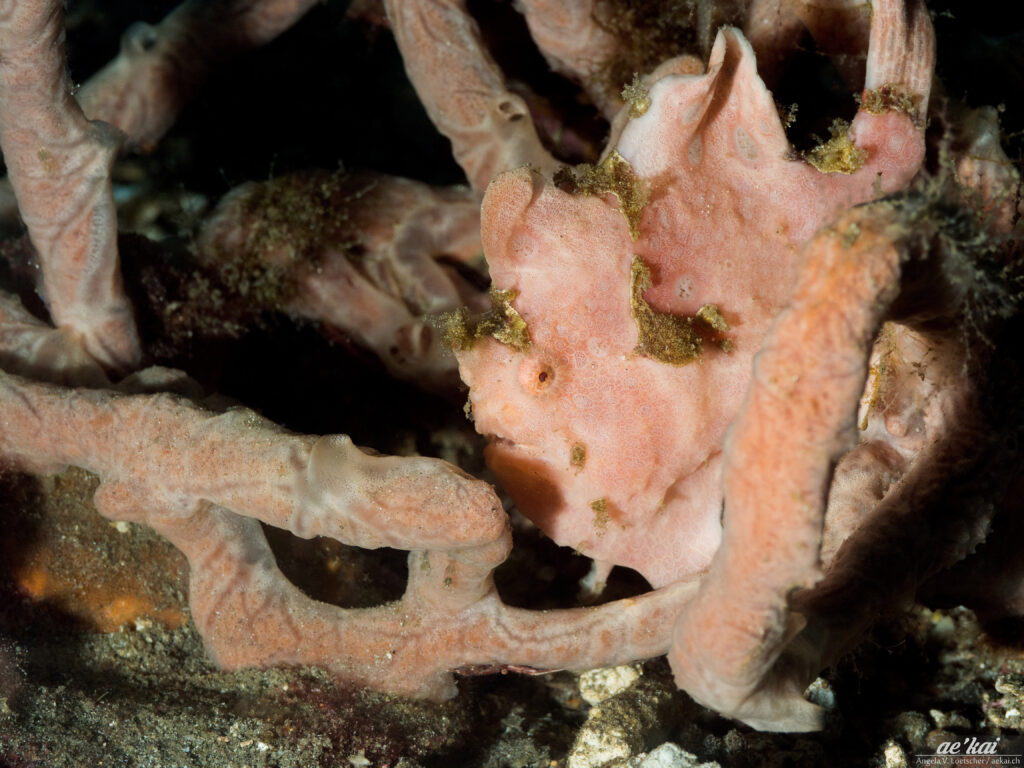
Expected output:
(460, 329)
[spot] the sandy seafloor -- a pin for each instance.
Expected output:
(332, 92)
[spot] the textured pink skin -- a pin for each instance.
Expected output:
(730, 208)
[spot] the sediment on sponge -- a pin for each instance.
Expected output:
(287, 220)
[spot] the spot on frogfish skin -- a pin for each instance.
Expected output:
(48, 161)
(601, 517)
(746, 144)
(461, 330)
(672, 339)
(578, 456)
(613, 175)
(695, 150)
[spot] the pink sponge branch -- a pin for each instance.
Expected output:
(192, 475)
(250, 615)
(164, 450)
(29, 347)
(793, 427)
(901, 52)
(577, 44)
(160, 67)
(463, 90)
(59, 165)
(840, 28)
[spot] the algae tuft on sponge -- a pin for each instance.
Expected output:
(839, 154)
(613, 175)
(668, 338)
(460, 329)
